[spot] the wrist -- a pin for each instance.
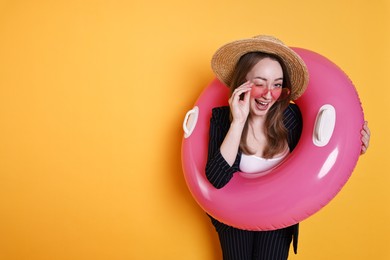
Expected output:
(239, 124)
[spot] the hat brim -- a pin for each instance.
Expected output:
(226, 57)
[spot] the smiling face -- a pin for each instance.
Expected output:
(267, 77)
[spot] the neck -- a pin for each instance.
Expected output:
(256, 128)
(256, 122)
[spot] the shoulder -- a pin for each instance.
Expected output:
(221, 113)
(220, 116)
(292, 116)
(221, 110)
(292, 110)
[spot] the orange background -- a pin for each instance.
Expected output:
(92, 99)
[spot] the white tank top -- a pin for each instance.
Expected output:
(253, 166)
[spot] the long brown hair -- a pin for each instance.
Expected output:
(274, 129)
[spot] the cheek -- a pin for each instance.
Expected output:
(256, 92)
(276, 95)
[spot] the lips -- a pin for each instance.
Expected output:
(261, 105)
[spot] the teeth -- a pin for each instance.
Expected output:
(262, 103)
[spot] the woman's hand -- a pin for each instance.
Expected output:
(365, 137)
(240, 107)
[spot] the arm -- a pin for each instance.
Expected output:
(239, 107)
(218, 170)
(224, 156)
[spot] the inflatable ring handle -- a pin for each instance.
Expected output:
(324, 125)
(190, 120)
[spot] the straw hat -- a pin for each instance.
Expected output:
(225, 59)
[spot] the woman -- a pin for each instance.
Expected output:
(257, 131)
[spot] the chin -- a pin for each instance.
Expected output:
(259, 112)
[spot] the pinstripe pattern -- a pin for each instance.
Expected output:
(242, 244)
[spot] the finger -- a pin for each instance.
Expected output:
(365, 137)
(365, 127)
(247, 96)
(365, 142)
(364, 147)
(366, 131)
(239, 91)
(246, 86)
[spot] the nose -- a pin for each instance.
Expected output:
(267, 93)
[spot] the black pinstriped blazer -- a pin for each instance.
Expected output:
(219, 172)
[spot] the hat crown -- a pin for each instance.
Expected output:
(268, 38)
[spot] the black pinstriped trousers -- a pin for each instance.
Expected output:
(240, 244)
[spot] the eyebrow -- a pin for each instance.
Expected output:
(281, 78)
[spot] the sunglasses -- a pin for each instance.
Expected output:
(276, 92)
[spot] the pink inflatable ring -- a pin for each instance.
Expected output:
(311, 175)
